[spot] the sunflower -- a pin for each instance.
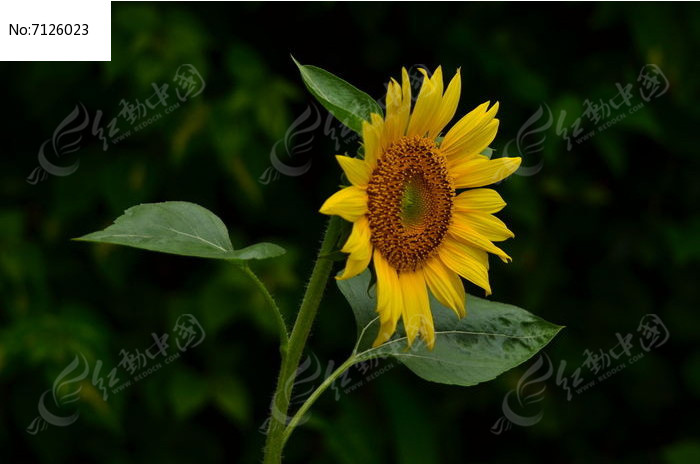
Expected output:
(410, 211)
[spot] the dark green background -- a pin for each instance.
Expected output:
(605, 233)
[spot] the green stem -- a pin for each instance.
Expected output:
(276, 313)
(297, 341)
(314, 396)
(354, 358)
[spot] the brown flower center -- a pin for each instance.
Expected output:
(410, 202)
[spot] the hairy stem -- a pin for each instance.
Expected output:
(314, 396)
(297, 341)
(275, 310)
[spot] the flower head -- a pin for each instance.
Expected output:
(411, 213)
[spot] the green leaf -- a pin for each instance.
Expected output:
(348, 104)
(493, 338)
(179, 228)
(362, 299)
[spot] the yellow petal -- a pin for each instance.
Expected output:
(389, 298)
(485, 224)
(393, 103)
(355, 265)
(406, 89)
(448, 106)
(417, 317)
(480, 171)
(371, 139)
(393, 98)
(471, 134)
(349, 203)
(397, 112)
(356, 170)
(462, 230)
(466, 261)
(474, 143)
(359, 247)
(427, 105)
(359, 237)
(445, 285)
(483, 200)
(379, 125)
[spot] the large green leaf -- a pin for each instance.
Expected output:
(492, 339)
(347, 103)
(180, 228)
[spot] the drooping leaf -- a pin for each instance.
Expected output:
(363, 300)
(493, 338)
(348, 104)
(179, 228)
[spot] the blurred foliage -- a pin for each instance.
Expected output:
(605, 233)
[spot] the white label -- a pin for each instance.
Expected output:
(59, 30)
